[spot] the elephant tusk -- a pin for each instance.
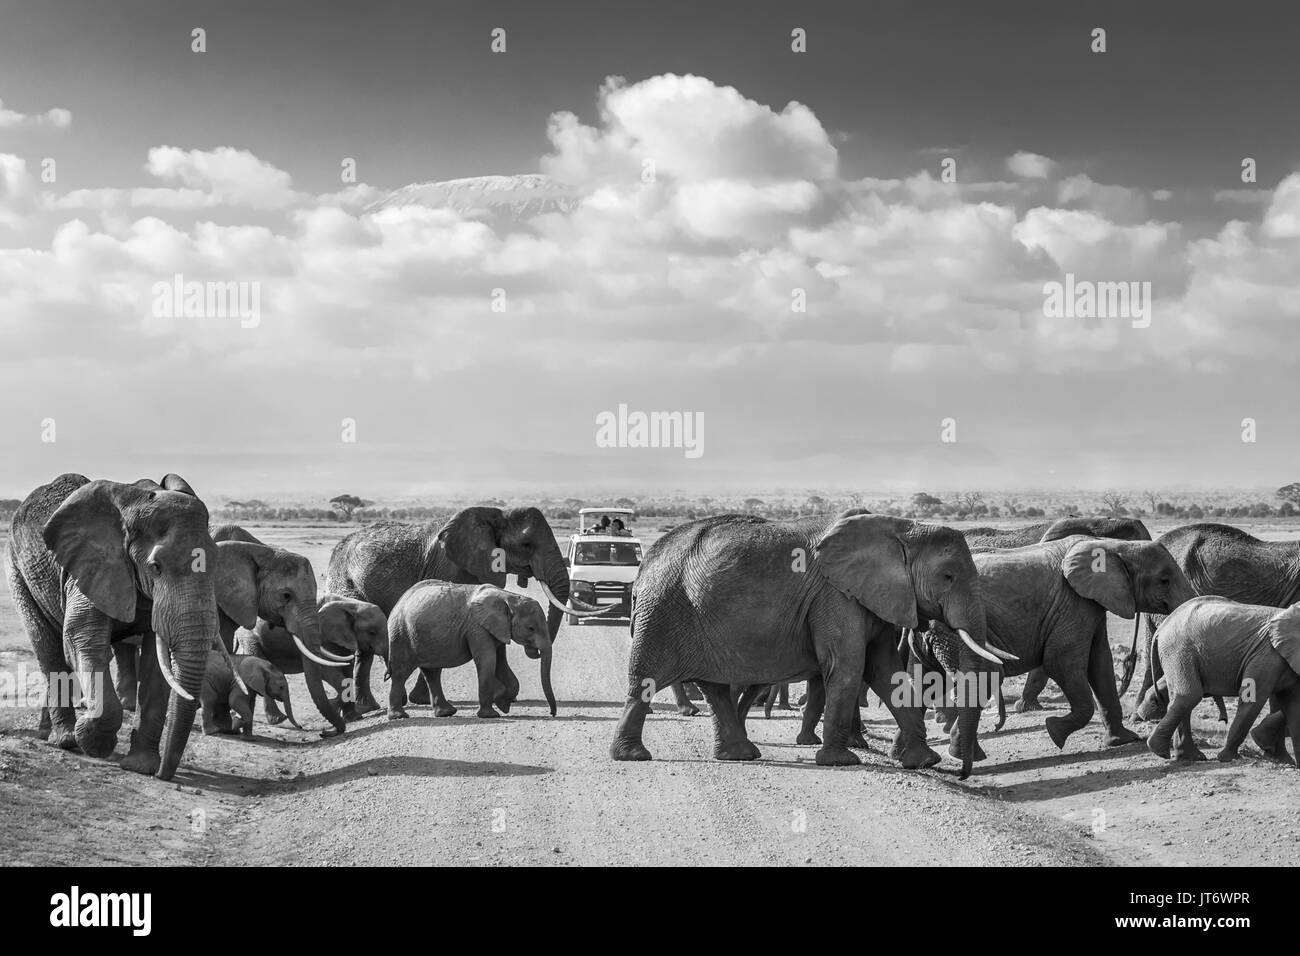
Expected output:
(999, 652)
(335, 657)
(164, 665)
(310, 656)
(230, 662)
(567, 609)
(982, 652)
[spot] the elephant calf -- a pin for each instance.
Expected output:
(1215, 646)
(222, 694)
(436, 625)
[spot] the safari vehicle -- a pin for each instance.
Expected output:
(603, 560)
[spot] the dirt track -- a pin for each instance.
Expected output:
(529, 788)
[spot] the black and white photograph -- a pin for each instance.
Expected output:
(628, 434)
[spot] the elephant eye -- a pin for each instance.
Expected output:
(286, 596)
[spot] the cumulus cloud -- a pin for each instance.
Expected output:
(1028, 165)
(56, 118)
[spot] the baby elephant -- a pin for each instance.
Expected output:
(1213, 646)
(221, 694)
(436, 625)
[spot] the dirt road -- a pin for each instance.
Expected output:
(529, 788)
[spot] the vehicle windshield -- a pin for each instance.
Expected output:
(608, 552)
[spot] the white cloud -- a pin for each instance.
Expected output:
(1028, 165)
(56, 118)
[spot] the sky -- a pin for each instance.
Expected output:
(916, 178)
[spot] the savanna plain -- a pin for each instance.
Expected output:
(532, 789)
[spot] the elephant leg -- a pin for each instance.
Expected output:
(506, 678)
(746, 698)
(1070, 674)
(272, 711)
(485, 661)
(442, 707)
(841, 652)
(814, 705)
(627, 743)
(365, 698)
(126, 655)
(1270, 735)
(730, 742)
(1101, 678)
(856, 740)
(58, 718)
(1263, 683)
(143, 756)
(399, 670)
(909, 748)
(1184, 744)
(684, 705)
(1035, 681)
(1180, 709)
(1291, 710)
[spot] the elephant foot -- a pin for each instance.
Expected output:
(858, 742)
(332, 732)
(830, 756)
(1120, 737)
(807, 738)
(277, 719)
(350, 715)
(503, 706)
(142, 761)
(445, 710)
(487, 712)
(688, 710)
(420, 694)
(1025, 705)
(736, 750)
(1274, 747)
(1190, 753)
(398, 713)
(628, 750)
(367, 705)
(1158, 745)
(1058, 730)
(1227, 755)
(917, 756)
(64, 740)
(96, 743)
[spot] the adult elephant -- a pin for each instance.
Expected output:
(738, 600)
(1046, 604)
(1224, 561)
(92, 562)
(261, 582)
(479, 545)
(348, 626)
(1097, 526)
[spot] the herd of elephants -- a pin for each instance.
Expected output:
(202, 618)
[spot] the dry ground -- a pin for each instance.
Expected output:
(531, 789)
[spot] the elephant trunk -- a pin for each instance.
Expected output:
(551, 569)
(965, 614)
(967, 726)
(288, 711)
(546, 679)
(189, 661)
(305, 627)
(1130, 659)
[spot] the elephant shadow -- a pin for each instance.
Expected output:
(1039, 790)
(400, 766)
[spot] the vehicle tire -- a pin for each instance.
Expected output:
(574, 620)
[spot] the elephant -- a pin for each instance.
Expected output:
(1214, 646)
(1221, 560)
(278, 587)
(93, 562)
(1046, 604)
(436, 625)
(480, 545)
(1123, 529)
(222, 693)
(347, 626)
(742, 600)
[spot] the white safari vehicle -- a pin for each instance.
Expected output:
(604, 557)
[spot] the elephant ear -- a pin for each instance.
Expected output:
(470, 538)
(1284, 632)
(492, 612)
(864, 556)
(87, 535)
(256, 673)
(1096, 571)
(238, 566)
(176, 483)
